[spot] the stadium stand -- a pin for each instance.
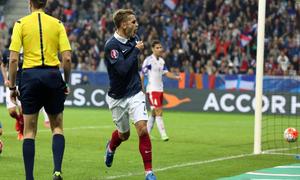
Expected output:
(201, 37)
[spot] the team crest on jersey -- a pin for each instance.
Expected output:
(114, 54)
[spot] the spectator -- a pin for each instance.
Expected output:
(199, 29)
(283, 62)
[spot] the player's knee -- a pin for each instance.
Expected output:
(158, 112)
(143, 131)
(153, 113)
(124, 136)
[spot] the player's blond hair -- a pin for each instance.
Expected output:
(121, 15)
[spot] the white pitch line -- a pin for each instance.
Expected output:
(280, 149)
(183, 165)
(275, 175)
(65, 129)
(288, 167)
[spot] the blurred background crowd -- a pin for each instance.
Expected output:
(199, 36)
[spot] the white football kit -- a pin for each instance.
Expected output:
(154, 68)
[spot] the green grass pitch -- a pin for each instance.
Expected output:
(202, 146)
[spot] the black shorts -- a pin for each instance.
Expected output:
(42, 87)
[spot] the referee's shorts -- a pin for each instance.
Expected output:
(42, 86)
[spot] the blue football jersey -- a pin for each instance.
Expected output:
(121, 59)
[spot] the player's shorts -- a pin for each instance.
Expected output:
(0, 125)
(40, 87)
(9, 103)
(155, 99)
(133, 107)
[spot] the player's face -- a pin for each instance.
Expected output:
(157, 50)
(131, 26)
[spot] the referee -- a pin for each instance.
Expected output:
(42, 38)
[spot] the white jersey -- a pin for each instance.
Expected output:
(154, 68)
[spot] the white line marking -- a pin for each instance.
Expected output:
(276, 175)
(283, 154)
(281, 149)
(183, 165)
(65, 129)
(288, 167)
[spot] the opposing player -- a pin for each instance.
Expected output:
(125, 97)
(42, 37)
(14, 110)
(154, 67)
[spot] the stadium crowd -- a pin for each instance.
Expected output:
(212, 37)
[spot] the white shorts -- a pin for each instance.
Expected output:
(133, 107)
(46, 118)
(9, 104)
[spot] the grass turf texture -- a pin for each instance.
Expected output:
(197, 142)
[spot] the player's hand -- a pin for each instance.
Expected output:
(7, 83)
(178, 78)
(139, 45)
(14, 94)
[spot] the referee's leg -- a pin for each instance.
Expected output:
(54, 98)
(30, 129)
(58, 141)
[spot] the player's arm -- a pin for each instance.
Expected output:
(3, 68)
(121, 64)
(172, 76)
(169, 74)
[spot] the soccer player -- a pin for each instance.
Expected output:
(14, 110)
(42, 38)
(125, 97)
(154, 67)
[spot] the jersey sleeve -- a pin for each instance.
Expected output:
(16, 37)
(64, 44)
(165, 69)
(145, 67)
(112, 53)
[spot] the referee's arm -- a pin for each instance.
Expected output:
(15, 46)
(13, 67)
(66, 64)
(65, 50)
